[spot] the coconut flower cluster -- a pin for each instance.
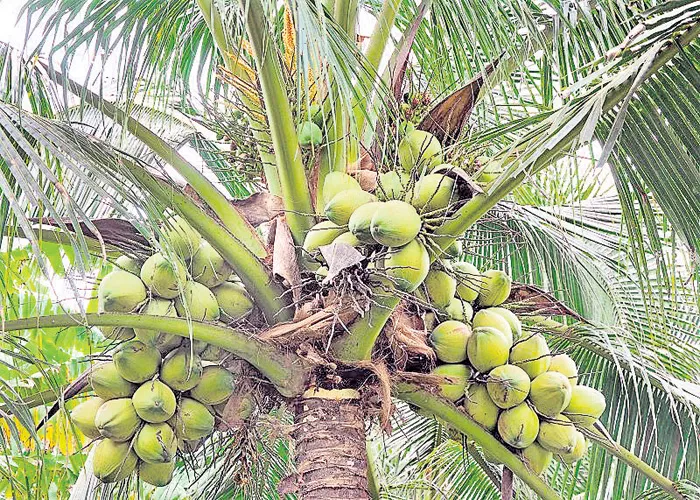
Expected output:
(160, 393)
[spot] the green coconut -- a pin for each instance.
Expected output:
(395, 223)
(459, 309)
(578, 452)
(586, 405)
(113, 461)
(83, 416)
(433, 192)
(154, 402)
(449, 339)
(215, 386)
(162, 276)
(487, 348)
(480, 407)
(361, 220)
(406, 127)
(120, 291)
(550, 393)
(440, 288)
(164, 342)
(518, 426)
(565, 365)
(192, 420)
(557, 435)
(531, 353)
(321, 234)
(156, 474)
(508, 386)
(181, 237)
(156, 443)
(348, 239)
(458, 376)
(490, 319)
(536, 458)
(208, 267)
(108, 384)
(234, 302)
(420, 150)
(516, 327)
(180, 370)
(343, 204)
(495, 288)
(468, 280)
(310, 134)
(392, 185)
(116, 419)
(136, 361)
(455, 250)
(197, 302)
(335, 182)
(407, 266)
(129, 264)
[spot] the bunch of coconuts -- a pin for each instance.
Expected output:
(161, 393)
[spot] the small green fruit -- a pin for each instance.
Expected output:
(335, 182)
(343, 204)
(126, 263)
(310, 134)
(192, 420)
(536, 458)
(565, 365)
(136, 361)
(459, 310)
(557, 435)
(392, 185)
(361, 220)
(508, 386)
(458, 375)
(531, 354)
(495, 288)
(180, 370)
(515, 325)
(407, 266)
(182, 238)
(586, 405)
(348, 239)
(83, 416)
(518, 426)
(233, 300)
(154, 402)
(164, 342)
(116, 419)
(578, 452)
(120, 291)
(321, 234)
(440, 288)
(215, 386)
(550, 393)
(197, 302)
(420, 150)
(163, 277)
(156, 474)
(455, 250)
(480, 407)
(395, 224)
(449, 339)
(433, 192)
(487, 348)
(490, 319)
(156, 443)
(108, 384)
(208, 266)
(113, 461)
(468, 280)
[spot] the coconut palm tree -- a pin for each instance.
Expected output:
(570, 134)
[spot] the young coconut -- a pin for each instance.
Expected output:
(392, 185)
(197, 302)
(508, 386)
(180, 370)
(348, 239)
(136, 361)
(433, 192)
(578, 452)
(550, 393)
(458, 375)
(361, 221)
(487, 348)
(120, 291)
(208, 267)
(407, 266)
(487, 318)
(156, 474)
(557, 435)
(164, 342)
(536, 458)
(480, 407)
(565, 365)
(233, 300)
(459, 310)
(343, 204)
(108, 384)
(83, 416)
(116, 419)
(516, 327)
(455, 250)
(320, 235)
(156, 443)
(163, 277)
(586, 405)
(440, 288)
(215, 386)
(395, 224)
(531, 354)
(192, 420)
(518, 426)
(129, 264)
(154, 402)
(113, 461)
(495, 288)
(449, 339)
(420, 150)
(335, 182)
(309, 134)
(182, 237)
(468, 280)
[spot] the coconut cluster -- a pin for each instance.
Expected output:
(510, 382)
(160, 393)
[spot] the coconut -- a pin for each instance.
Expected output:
(586, 405)
(309, 134)
(192, 420)
(126, 263)
(406, 127)
(536, 458)
(108, 384)
(213, 353)
(565, 365)
(480, 407)
(453, 389)
(493, 320)
(163, 277)
(119, 333)
(215, 386)
(407, 266)
(395, 223)
(557, 435)
(197, 302)
(516, 327)
(343, 204)
(487, 348)
(495, 288)
(508, 386)
(156, 474)
(578, 452)
(550, 393)
(116, 419)
(455, 250)
(420, 150)
(136, 361)
(392, 185)
(433, 192)
(208, 267)
(468, 280)
(459, 309)
(178, 234)
(120, 291)
(154, 402)
(113, 461)
(335, 182)
(164, 342)
(361, 220)
(440, 287)
(180, 370)
(83, 416)
(449, 339)
(531, 353)
(518, 426)
(320, 235)
(348, 239)
(233, 300)
(156, 443)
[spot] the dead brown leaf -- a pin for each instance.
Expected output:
(284, 258)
